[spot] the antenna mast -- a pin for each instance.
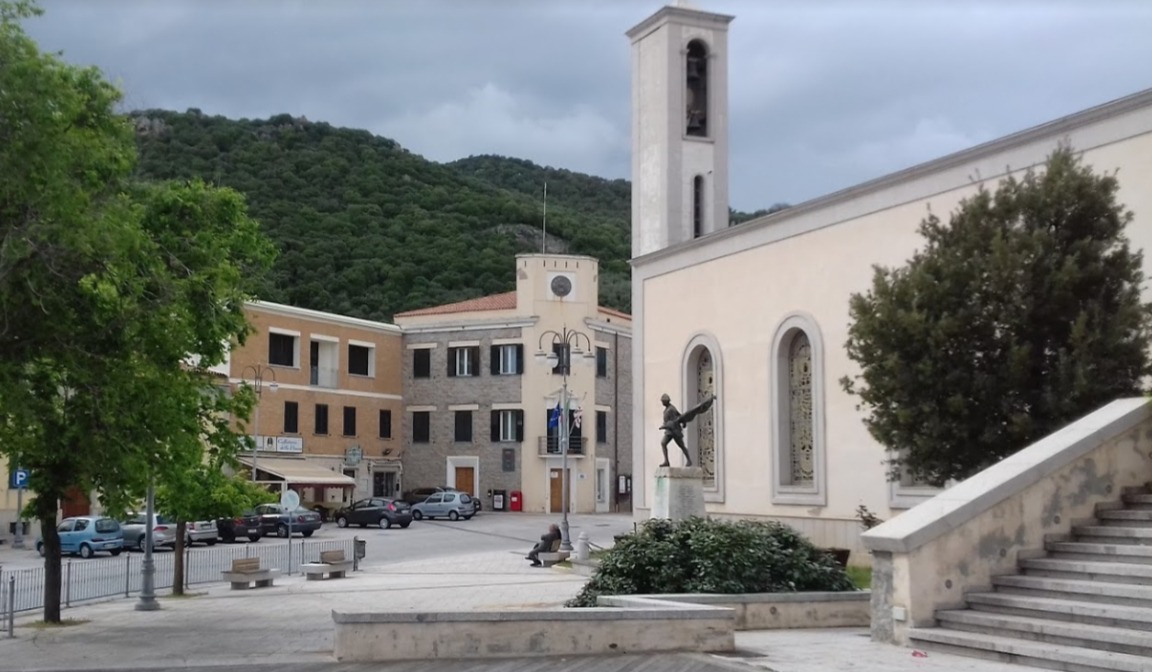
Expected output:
(544, 233)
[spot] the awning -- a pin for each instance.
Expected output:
(299, 472)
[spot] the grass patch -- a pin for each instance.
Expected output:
(64, 623)
(861, 576)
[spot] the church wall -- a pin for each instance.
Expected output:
(739, 286)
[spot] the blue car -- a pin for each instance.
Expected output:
(85, 535)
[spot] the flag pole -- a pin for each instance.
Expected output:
(544, 230)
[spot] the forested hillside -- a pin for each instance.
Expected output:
(366, 228)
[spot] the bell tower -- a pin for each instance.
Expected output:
(679, 127)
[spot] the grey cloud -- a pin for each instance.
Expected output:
(823, 94)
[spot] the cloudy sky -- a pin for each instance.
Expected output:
(823, 93)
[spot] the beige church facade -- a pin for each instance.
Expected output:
(758, 313)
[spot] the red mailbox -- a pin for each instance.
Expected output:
(515, 500)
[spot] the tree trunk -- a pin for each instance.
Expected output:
(52, 566)
(178, 561)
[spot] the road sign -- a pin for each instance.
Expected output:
(290, 500)
(18, 479)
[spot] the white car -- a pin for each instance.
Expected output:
(203, 531)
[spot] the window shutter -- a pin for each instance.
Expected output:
(494, 355)
(495, 426)
(474, 360)
(519, 358)
(519, 426)
(451, 362)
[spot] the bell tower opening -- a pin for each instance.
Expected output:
(697, 206)
(696, 89)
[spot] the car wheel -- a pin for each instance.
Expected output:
(417, 515)
(307, 533)
(452, 515)
(404, 526)
(115, 552)
(385, 522)
(341, 522)
(468, 517)
(140, 544)
(40, 549)
(85, 551)
(228, 537)
(253, 538)
(210, 542)
(282, 531)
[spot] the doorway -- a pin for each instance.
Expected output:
(466, 480)
(556, 490)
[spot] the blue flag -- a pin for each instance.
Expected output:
(554, 417)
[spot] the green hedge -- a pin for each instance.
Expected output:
(700, 555)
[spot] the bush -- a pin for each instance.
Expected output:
(699, 555)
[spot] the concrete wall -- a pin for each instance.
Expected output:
(654, 627)
(927, 558)
(772, 611)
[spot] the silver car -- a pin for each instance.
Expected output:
(451, 505)
(163, 531)
(203, 531)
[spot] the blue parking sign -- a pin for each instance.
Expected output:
(18, 479)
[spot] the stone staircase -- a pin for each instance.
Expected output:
(1084, 607)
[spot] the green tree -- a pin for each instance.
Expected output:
(115, 298)
(1020, 315)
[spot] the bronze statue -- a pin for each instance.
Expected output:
(675, 422)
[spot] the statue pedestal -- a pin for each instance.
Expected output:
(679, 493)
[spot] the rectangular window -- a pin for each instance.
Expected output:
(508, 460)
(463, 362)
(321, 419)
(507, 360)
(422, 363)
(601, 362)
(601, 426)
(421, 427)
(281, 349)
(291, 417)
(360, 360)
(385, 423)
(349, 421)
(508, 426)
(464, 426)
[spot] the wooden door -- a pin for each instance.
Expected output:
(466, 480)
(75, 503)
(556, 487)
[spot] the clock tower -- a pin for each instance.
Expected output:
(679, 127)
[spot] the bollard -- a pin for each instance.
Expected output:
(582, 546)
(11, 604)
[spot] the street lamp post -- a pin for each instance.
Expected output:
(565, 345)
(257, 383)
(147, 600)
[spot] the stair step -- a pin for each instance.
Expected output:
(1137, 498)
(1071, 589)
(1040, 654)
(1100, 552)
(1114, 572)
(1142, 515)
(1079, 611)
(1121, 640)
(1116, 533)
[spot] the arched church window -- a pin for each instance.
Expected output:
(706, 423)
(696, 91)
(800, 410)
(697, 206)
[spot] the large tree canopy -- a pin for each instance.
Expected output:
(115, 297)
(1020, 315)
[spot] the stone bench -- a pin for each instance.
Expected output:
(553, 555)
(246, 573)
(332, 565)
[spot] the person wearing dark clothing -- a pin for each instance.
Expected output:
(544, 544)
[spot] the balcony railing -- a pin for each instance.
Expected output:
(551, 445)
(324, 376)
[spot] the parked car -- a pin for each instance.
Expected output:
(382, 511)
(203, 531)
(452, 505)
(420, 494)
(246, 524)
(163, 531)
(86, 535)
(275, 519)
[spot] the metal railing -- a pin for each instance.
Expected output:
(550, 445)
(96, 578)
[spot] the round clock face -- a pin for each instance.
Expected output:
(561, 286)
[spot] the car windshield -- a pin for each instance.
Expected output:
(107, 525)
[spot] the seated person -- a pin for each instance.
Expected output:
(544, 544)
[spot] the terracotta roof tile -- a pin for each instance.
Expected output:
(505, 301)
(615, 313)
